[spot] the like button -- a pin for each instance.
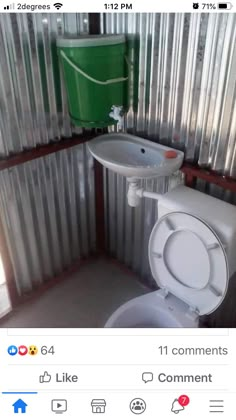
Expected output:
(45, 378)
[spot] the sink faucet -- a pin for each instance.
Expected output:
(117, 114)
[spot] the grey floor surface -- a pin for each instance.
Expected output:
(84, 300)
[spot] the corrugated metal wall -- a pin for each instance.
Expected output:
(33, 106)
(48, 212)
(47, 205)
(182, 88)
(183, 91)
(183, 82)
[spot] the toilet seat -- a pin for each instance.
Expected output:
(188, 260)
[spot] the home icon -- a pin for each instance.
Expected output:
(19, 406)
(98, 406)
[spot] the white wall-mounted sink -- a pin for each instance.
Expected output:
(134, 157)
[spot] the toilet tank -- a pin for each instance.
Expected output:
(219, 215)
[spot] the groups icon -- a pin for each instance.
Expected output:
(22, 350)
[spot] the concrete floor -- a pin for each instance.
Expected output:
(86, 299)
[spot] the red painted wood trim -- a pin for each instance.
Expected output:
(190, 180)
(192, 172)
(44, 150)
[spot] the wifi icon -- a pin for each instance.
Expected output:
(58, 5)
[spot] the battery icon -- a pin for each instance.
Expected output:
(226, 6)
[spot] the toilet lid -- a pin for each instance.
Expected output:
(188, 259)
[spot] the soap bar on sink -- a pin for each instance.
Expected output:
(170, 154)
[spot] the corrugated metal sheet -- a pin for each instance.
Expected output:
(33, 106)
(183, 82)
(183, 90)
(128, 229)
(216, 191)
(182, 93)
(48, 211)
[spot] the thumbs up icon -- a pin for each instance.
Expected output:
(45, 378)
(176, 407)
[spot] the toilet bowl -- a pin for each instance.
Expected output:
(189, 263)
(153, 310)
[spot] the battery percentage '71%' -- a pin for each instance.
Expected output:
(116, 6)
(209, 6)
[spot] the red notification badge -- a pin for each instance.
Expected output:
(183, 400)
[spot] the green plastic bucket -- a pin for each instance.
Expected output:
(96, 77)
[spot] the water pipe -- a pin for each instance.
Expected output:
(135, 193)
(142, 193)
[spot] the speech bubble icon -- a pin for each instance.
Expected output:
(147, 377)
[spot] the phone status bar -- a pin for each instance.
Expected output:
(119, 6)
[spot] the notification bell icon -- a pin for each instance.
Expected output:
(176, 407)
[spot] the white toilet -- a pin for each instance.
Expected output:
(192, 254)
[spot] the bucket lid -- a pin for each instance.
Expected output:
(188, 259)
(90, 41)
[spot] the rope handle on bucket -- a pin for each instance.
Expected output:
(99, 82)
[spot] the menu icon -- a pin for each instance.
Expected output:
(216, 406)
